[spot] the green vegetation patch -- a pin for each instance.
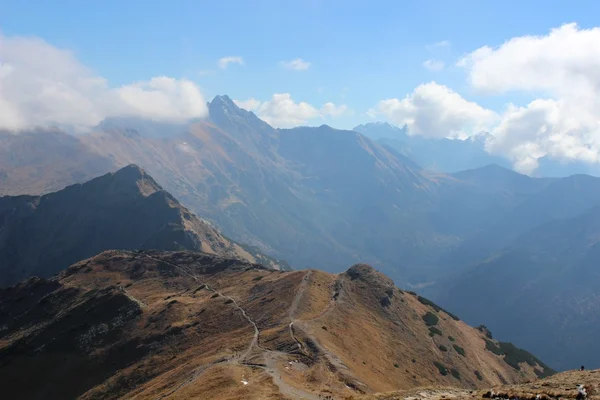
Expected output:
(459, 349)
(450, 338)
(434, 331)
(437, 308)
(493, 347)
(484, 329)
(478, 375)
(442, 347)
(513, 356)
(441, 368)
(430, 303)
(455, 373)
(430, 319)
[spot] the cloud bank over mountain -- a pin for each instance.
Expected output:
(282, 111)
(43, 85)
(557, 71)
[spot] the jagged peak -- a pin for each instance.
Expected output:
(131, 172)
(380, 124)
(226, 114)
(223, 101)
(132, 177)
(377, 123)
(222, 107)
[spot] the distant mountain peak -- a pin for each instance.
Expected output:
(379, 123)
(223, 98)
(244, 125)
(497, 168)
(381, 129)
(329, 128)
(222, 102)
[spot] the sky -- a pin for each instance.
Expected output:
(526, 72)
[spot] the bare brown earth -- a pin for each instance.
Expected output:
(182, 325)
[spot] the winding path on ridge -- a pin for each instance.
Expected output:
(254, 341)
(270, 356)
(294, 306)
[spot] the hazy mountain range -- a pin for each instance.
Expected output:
(453, 155)
(323, 198)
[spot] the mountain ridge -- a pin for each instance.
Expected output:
(126, 209)
(152, 324)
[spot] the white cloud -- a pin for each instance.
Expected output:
(249, 105)
(296, 65)
(331, 110)
(162, 98)
(556, 128)
(564, 62)
(434, 65)
(225, 61)
(436, 111)
(563, 67)
(443, 43)
(43, 85)
(438, 45)
(282, 111)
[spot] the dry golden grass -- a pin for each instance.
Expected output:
(196, 326)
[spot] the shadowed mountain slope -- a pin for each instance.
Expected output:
(547, 284)
(122, 210)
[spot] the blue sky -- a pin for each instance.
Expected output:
(360, 53)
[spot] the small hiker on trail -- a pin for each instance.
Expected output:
(582, 368)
